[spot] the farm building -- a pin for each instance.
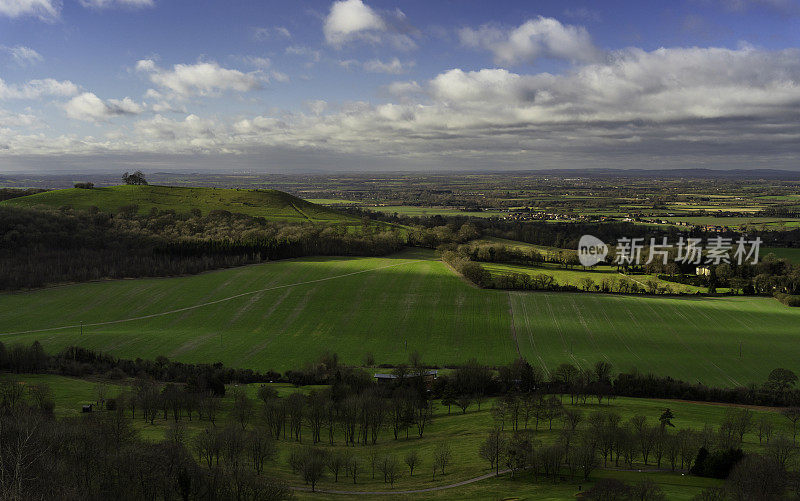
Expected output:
(702, 270)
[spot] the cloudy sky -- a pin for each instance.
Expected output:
(297, 86)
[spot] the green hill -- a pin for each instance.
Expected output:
(270, 204)
(282, 314)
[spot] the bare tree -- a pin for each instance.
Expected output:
(313, 466)
(442, 456)
(793, 415)
(261, 447)
(492, 449)
(757, 477)
(764, 428)
(210, 406)
(354, 468)
(423, 414)
(295, 406)
(206, 446)
(463, 402)
(782, 450)
(390, 469)
(336, 463)
(412, 460)
(242, 408)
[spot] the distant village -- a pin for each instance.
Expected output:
(525, 214)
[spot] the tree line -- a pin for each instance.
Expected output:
(469, 383)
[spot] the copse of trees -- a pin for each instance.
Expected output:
(137, 178)
(84, 186)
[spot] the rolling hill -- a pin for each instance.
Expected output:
(283, 314)
(270, 204)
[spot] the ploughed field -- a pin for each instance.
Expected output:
(283, 314)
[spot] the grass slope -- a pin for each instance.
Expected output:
(288, 312)
(270, 204)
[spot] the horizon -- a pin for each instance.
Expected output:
(359, 86)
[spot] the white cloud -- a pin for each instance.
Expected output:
(109, 4)
(299, 50)
(317, 106)
(35, 89)
(790, 7)
(9, 119)
(261, 63)
(350, 20)
(402, 89)
(665, 84)
(279, 76)
(23, 55)
(89, 107)
(681, 105)
(536, 38)
(45, 10)
(393, 67)
(261, 34)
(258, 124)
(193, 133)
(202, 79)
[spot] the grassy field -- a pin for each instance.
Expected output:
(463, 431)
(270, 204)
(596, 273)
(283, 314)
(790, 254)
(517, 245)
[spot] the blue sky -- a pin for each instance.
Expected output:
(395, 85)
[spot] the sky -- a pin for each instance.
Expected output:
(378, 85)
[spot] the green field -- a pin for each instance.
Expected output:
(523, 246)
(270, 204)
(596, 273)
(280, 315)
(790, 254)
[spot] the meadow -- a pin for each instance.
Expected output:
(270, 204)
(283, 314)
